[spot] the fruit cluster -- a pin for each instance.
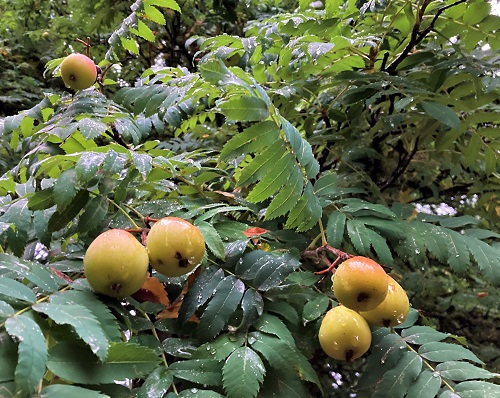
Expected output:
(367, 297)
(116, 263)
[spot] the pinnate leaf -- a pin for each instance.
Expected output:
(32, 352)
(227, 296)
(243, 373)
(83, 321)
(74, 362)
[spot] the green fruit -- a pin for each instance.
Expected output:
(393, 310)
(116, 263)
(175, 246)
(78, 71)
(360, 283)
(344, 334)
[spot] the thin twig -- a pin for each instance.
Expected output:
(416, 35)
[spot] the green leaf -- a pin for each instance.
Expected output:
(442, 113)
(75, 363)
(272, 182)
(396, 381)
(156, 384)
(88, 164)
(361, 207)
(307, 212)
(154, 14)
(101, 311)
(12, 288)
(460, 371)
(202, 371)
(144, 31)
(42, 200)
(252, 305)
(6, 310)
(244, 109)
(266, 270)
(326, 185)
(271, 324)
(91, 128)
(61, 219)
(262, 164)
(32, 353)
(37, 273)
(8, 358)
(83, 321)
(143, 163)
(172, 4)
(315, 308)
(94, 214)
(67, 391)
(335, 228)
(422, 335)
(243, 373)
(220, 348)
(200, 292)
(282, 356)
(253, 139)
(227, 296)
(212, 239)
(300, 148)
(477, 389)
(442, 352)
(426, 385)
(287, 198)
(487, 258)
(359, 236)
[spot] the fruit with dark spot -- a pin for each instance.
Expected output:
(393, 310)
(360, 283)
(175, 246)
(116, 263)
(344, 334)
(78, 71)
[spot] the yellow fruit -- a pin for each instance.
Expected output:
(78, 71)
(360, 283)
(393, 310)
(175, 246)
(344, 334)
(116, 263)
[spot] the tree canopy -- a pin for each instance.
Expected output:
(292, 134)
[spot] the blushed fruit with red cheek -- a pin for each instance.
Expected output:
(344, 334)
(78, 71)
(116, 263)
(360, 283)
(175, 246)
(393, 310)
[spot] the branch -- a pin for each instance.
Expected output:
(401, 168)
(416, 35)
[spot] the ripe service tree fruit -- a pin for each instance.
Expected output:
(175, 246)
(344, 334)
(78, 71)
(393, 310)
(116, 263)
(360, 283)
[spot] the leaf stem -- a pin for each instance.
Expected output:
(124, 212)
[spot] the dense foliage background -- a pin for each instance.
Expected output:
(280, 129)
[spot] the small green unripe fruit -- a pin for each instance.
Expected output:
(78, 71)
(344, 334)
(116, 263)
(360, 283)
(175, 246)
(393, 310)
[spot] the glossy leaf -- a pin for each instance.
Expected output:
(243, 373)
